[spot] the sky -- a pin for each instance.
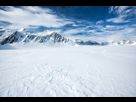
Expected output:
(97, 23)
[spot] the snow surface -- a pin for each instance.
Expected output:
(67, 71)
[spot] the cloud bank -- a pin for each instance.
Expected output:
(122, 13)
(26, 15)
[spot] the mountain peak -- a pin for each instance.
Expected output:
(53, 33)
(22, 29)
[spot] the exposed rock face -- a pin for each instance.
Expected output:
(128, 42)
(54, 37)
(11, 37)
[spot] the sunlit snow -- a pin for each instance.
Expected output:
(67, 71)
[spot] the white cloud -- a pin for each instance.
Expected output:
(122, 12)
(73, 31)
(1, 26)
(127, 33)
(75, 25)
(84, 30)
(110, 26)
(109, 32)
(47, 32)
(36, 9)
(133, 25)
(94, 31)
(25, 16)
(99, 26)
(120, 9)
(115, 27)
(119, 19)
(111, 8)
(98, 22)
(125, 10)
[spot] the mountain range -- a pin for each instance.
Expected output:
(24, 36)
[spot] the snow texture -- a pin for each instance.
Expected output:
(67, 71)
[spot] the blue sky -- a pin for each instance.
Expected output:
(99, 23)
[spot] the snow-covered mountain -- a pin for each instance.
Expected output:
(53, 38)
(11, 36)
(81, 42)
(22, 35)
(122, 42)
(91, 43)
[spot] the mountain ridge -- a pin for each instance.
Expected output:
(24, 36)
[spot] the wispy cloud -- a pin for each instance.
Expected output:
(121, 12)
(114, 27)
(118, 9)
(25, 16)
(99, 22)
(111, 9)
(133, 24)
(73, 31)
(119, 19)
(107, 33)
(47, 32)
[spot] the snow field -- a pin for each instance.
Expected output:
(86, 71)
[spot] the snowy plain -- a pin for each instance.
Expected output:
(67, 71)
